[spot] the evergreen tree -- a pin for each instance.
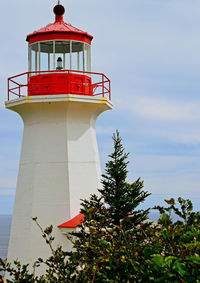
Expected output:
(120, 197)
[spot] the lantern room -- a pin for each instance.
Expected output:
(54, 49)
(59, 62)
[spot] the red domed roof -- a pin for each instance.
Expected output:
(59, 30)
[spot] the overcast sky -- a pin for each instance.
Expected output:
(150, 49)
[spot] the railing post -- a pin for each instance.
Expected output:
(27, 84)
(8, 89)
(109, 91)
(103, 84)
(69, 80)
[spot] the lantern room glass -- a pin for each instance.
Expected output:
(59, 55)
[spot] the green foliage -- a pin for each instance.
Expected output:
(115, 243)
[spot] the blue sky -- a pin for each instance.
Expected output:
(150, 49)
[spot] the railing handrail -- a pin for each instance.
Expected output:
(58, 71)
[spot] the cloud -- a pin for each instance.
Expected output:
(161, 109)
(184, 135)
(167, 174)
(170, 120)
(149, 163)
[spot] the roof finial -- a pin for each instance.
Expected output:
(59, 11)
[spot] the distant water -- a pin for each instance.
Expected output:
(5, 223)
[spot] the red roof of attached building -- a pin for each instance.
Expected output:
(74, 222)
(59, 30)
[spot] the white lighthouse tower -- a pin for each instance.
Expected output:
(59, 100)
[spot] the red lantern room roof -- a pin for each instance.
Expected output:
(59, 30)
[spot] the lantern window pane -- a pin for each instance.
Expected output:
(81, 61)
(46, 47)
(87, 58)
(32, 67)
(44, 61)
(62, 46)
(34, 60)
(78, 60)
(77, 46)
(62, 55)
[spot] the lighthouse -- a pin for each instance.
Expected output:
(59, 99)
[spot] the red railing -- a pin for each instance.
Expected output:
(21, 84)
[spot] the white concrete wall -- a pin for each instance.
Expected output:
(59, 165)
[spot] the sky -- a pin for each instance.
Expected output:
(150, 49)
